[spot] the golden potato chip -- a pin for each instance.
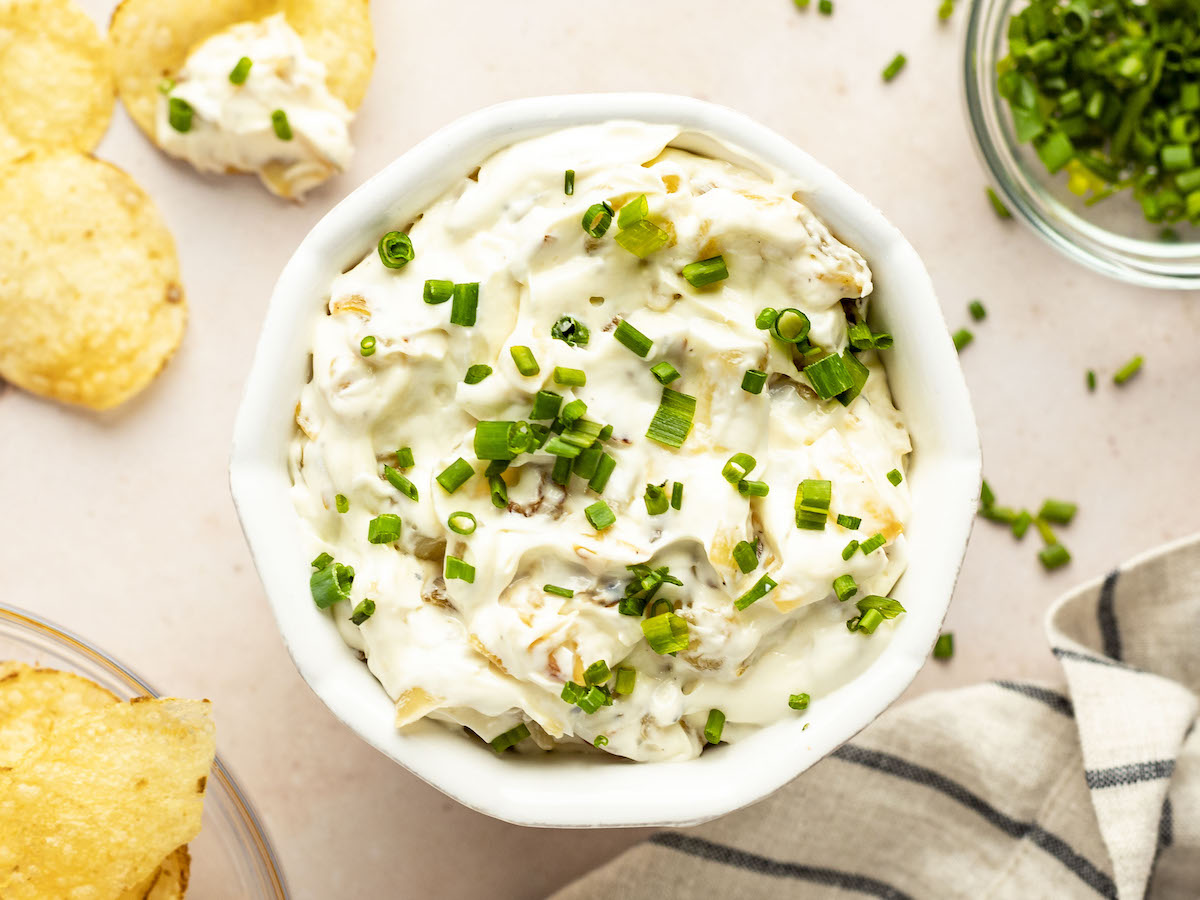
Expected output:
(152, 39)
(56, 78)
(168, 882)
(90, 302)
(33, 701)
(102, 805)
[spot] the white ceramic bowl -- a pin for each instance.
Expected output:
(592, 791)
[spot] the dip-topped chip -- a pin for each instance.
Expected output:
(56, 78)
(91, 305)
(247, 87)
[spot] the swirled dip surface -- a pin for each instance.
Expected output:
(497, 652)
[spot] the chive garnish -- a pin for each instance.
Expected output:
(321, 561)
(677, 495)
(462, 522)
(561, 473)
(570, 331)
(498, 491)
(961, 338)
(632, 339)
(526, 364)
(761, 588)
(745, 554)
(596, 673)
(706, 271)
(464, 305)
(738, 467)
(604, 469)
(666, 633)
(765, 318)
(281, 126)
(330, 583)
(829, 376)
(672, 421)
(510, 738)
(664, 372)
(437, 291)
(546, 405)
(753, 381)
(477, 373)
(363, 611)
(1021, 523)
(812, 503)
(895, 477)
(569, 182)
(569, 377)
(366, 347)
(749, 488)
(1091, 379)
(179, 114)
(396, 250)
(458, 570)
(1128, 370)
(714, 726)
(341, 503)
(1054, 555)
(400, 483)
(892, 69)
(850, 549)
(845, 587)
(384, 529)
(656, 500)
(599, 515)
(625, 681)
(455, 475)
(978, 313)
(799, 701)
(1061, 512)
(597, 218)
(789, 325)
(850, 522)
(642, 238)
(633, 212)
(943, 648)
(558, 591)
(825, 7)
(404, 458)
(871, 544)
(240, 71)
(998, 205)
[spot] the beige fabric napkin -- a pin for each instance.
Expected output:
(1001, 790)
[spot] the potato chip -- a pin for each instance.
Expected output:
(152, 39)
(90, 302)
(32, 701)
(168, 882)
(57, 87)
(103, 804)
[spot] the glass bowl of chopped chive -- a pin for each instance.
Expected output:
(1087, 113)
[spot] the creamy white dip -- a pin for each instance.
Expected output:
(496, 653)
(231, 124)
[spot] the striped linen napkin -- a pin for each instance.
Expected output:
(1000, 790)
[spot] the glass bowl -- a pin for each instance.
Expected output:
(231, 857)
(1111, 237)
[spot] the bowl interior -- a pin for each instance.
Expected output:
(1111, 236)
(571, 790)
(231, 857)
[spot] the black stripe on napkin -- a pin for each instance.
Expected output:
(762, 865)
(1106, 615)
(1133, 773)
(1064, 653)
(1166, 837)
(1047, 841)
(1052, 699)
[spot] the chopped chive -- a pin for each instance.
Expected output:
(546, 405)
(592, 699)
(597, 219)
(587, 461)
(179, 114)
(1044, 529)
(401, 483)
(895, 477)
(404, 458)
(363, 611)
(749, 488)
(858, 375)
(596, 673)
(851, 522)
(510, 738)
(437, 291)
(462, 522)
(706, 271)
(574, 410)
(569, 377)
(1091, 379)
(1004, 514)
(330, 584)
(672, 420)
(599, 515)
(799, 701)
(850, 549)
(239, 72)
(456, 569)
(366, 346)
(570, 331)
(558, 591)
(887, 607)
(496, 440)
(998, 205)
(656, 500)
(677, 495)
(871, 544)
(789, 325)
(1054, 555)
(1060, 512)
(745, 554)
(812, 503)
(321, 561)
(946, 9)
(626, 680)
(498, 491)
(961, 338)
(604, 469)
(825, 7)
(1128, 370)
(569, 182)
(166, 85)
(753, 381)
(341, 503)
(664, 372)
(986, 496)
(477, 373)
(766, 318)
(714, 726)
(561, 473)
(738, 467)
(524, 359)
(761, 588)
(666, 633)
(845, 587)
(642, 238)
(384, 529)
(867, 622)
(633, 212)
(279, 122)
(1021, 524)
(943, 648)
(893, 68)
(464, 306)
(978, 313)
(632, 339)
(863, 338)
(829, 376)
(455, 475)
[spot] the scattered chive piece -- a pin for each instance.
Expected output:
(626, 679)
(761, 588)
(893, 68)
(462, 522)
(600, 741)
(596, 673)
(367, 345)
(858, 375)
(1091, 379)
(961, 338)
(561, 473)
(455, 475)
(672, 421)
(986, 496)
(829, 376)
(239, 72)
(642, 238)
(656, 500)
(599, 515)
(867, 622)
(664, 372)
(946, 9)
(569, 377)
(558, 591)
(477, 373)
(457, 569)
(341, 503)
(886, 606)
(400, 483)
(524, 359)
(633, 212)
(714, 726)
(437, 291)
(179, 114)
(666, 633)
(825, 7)
(546, 405)
(1058, 511)
(498, 491)
(1004, 514)
(363, 611)
(789, 325)
(895, 477)
(766, 317)
(851, 522)
(812, 503)
(604, 469)
(706, 271)
(799, 701)
(802, 4)
(496, 440)
(510, 738)
(978, 313)
(738, 467)
(1054, 555)
(944, 647)
(1021, 524)
(1128, 370)
(745, 554)
(597, 219)
(850, 549)
(166, 85)
(1044, 529)
(570, 331)
(632, 339)
(753, 381)
(384, 529)
(404, 458)
(845, 587)
(587, 461)
(863, 338)
(871, 544)
(753, 488)
(279, 122)
(592, 699)
(998, 205)
(576, 409)
(569, 182)
(464, 306)
(321, 561)
(677, 495)
(330, 584)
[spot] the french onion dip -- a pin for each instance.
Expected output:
(599, 452)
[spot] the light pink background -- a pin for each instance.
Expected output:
(121, 528)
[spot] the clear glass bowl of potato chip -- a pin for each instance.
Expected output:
(231, 857)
